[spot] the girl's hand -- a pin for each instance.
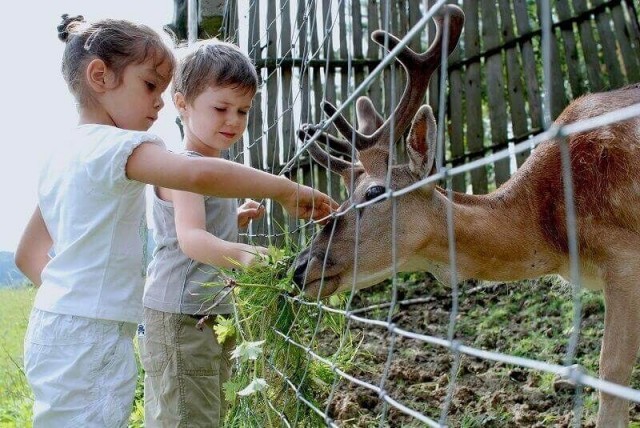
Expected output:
(307, 203)
(250, 210)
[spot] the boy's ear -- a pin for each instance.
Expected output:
(99, 77)
(180, 102)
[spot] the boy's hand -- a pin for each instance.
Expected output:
(250, 210)
(251, 255)
(261, 254)
(307, 203)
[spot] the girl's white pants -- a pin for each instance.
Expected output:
(82, 371)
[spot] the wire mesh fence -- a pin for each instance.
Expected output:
(516, 67)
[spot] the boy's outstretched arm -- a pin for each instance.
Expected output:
(32, 254)
(152, 164)
(198, 244)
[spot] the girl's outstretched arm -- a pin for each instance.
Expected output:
(32, 254)
(155, 165)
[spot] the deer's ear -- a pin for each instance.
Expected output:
(368, 118)
(421, 142)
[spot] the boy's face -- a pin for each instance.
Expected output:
(216, 118)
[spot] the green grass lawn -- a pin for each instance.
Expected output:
(15, 396)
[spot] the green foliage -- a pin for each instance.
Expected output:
(274, 331)
(224, 328)
(136, 420)
(15, 396)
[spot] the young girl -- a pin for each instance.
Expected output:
(84, 244)
(185, 368)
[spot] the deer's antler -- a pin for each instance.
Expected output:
(419, 68)
(323, 157)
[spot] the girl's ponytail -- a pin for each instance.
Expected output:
(67, 25)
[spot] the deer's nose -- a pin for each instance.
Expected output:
(300, 268)
(299, 272)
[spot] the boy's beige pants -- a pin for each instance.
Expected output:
(185, 369)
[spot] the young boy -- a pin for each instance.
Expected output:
(185, 367)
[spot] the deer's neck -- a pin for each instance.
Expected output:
(496, 239)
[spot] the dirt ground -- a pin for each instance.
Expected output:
(532, 320)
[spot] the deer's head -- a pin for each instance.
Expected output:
(356, 245)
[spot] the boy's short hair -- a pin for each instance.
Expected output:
(214, 63)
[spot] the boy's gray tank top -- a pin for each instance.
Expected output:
(174, 281)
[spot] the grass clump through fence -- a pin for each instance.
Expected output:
(280, 339)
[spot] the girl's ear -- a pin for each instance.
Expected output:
(180, 102)
(99, 77)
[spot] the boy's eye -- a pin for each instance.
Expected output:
(243, 112)
(220, 109)
(150, 86)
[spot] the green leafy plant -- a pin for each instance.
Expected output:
(275, 330)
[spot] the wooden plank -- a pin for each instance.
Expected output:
(558, 94)
(357, 41)
(329, 183)
(255, 121)
(389, 77)
(303, 32)
(574, 68)
(327, 44)
(413, 16)
(589, 49)
(318, 89)
(495, 89)
(317, 92)
(335, 186)
(623, 35)
(515, 82)
(302, 174)
(272, 91)
(473, 91)
(288, 126)
(530, 66)
(433, 91)
(399, 13)
(456, 118)
(609, 48)
(286, 73)
(231, 23)
(271, 139)
(343, 52)
(374, 52)
(634, 25)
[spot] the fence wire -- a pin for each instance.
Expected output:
(309, 39)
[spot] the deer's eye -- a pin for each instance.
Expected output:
(374, 191)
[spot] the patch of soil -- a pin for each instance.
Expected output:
(484, 393)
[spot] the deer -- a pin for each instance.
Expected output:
(517, 232)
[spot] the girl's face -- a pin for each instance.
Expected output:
(216, 119)
(134, 102)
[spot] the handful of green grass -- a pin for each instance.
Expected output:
(274, 328)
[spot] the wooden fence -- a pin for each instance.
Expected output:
(309, 50)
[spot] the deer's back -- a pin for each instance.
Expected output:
(605, 166)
